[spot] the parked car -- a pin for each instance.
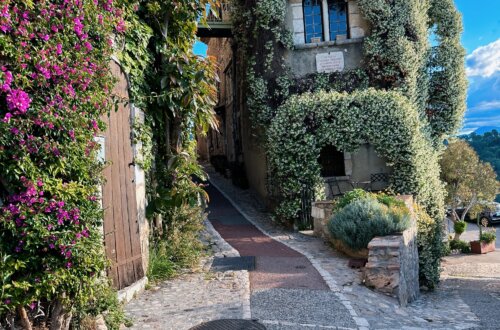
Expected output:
(487, 217)
(491, 215)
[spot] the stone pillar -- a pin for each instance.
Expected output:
(358, 26)
(392, 266)
(321, 213)
(140, 186)
(298, 22)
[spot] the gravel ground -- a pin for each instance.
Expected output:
(288, 308)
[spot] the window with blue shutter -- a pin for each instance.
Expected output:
(313, 20)
(337, 16)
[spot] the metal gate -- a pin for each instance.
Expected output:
(306, 199)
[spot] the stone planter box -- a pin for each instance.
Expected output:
(340, 246)
(479, 247)
(392, 266)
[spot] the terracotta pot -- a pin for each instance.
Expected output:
(479, 247)
(342, 247)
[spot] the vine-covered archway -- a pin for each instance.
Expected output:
(387, 120)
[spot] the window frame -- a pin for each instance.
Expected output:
(320, 2)
(347, 25)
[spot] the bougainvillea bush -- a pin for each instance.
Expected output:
(54, 87)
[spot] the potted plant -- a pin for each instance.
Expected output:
(486, 241)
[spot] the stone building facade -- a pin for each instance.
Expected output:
(328, 36)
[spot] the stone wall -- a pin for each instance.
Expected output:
(302, 59)
(392, 266)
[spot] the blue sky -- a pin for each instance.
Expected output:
(481, 39)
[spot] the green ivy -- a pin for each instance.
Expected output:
(387, 120)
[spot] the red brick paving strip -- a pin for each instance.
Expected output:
(277, 266)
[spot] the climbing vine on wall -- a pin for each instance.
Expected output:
(176, 90)
(259, 30)
(387, 120)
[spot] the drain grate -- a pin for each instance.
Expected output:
(230, 324)
(233, 263)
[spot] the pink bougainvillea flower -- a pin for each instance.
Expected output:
(88, 45)
(19, 100)
(7, 117)
(120, 27)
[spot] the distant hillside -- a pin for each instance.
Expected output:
(487, 146)
(486, 129)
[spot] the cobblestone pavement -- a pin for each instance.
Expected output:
(286, 290)
(459, 302)
(195, 297)
(442, 309)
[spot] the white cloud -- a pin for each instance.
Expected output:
(486, 105)
(482, 121)
(484, 61)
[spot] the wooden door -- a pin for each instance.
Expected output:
(121, 227)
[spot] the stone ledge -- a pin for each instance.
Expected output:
(127, 294)
(329, 43)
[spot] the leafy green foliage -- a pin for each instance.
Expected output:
(488, 237)
(55, 88)
(462, 246)
(487, 147)
(349, 197)
(104, 301)
(176, 90)
(469, 182)
(160, 266)
(430, 247)
(459, 227)
(306, 123)
(365, 218)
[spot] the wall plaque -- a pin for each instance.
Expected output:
(330, 62)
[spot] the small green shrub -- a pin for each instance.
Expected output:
(390, 201)
(488, 237)
(349, 197)
(160, 266)
(460, 227)
(179, 247)
(365, 218)
(463, 246)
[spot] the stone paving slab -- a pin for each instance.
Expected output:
(473, 265)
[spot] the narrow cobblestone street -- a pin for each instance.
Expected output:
(298, 282)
